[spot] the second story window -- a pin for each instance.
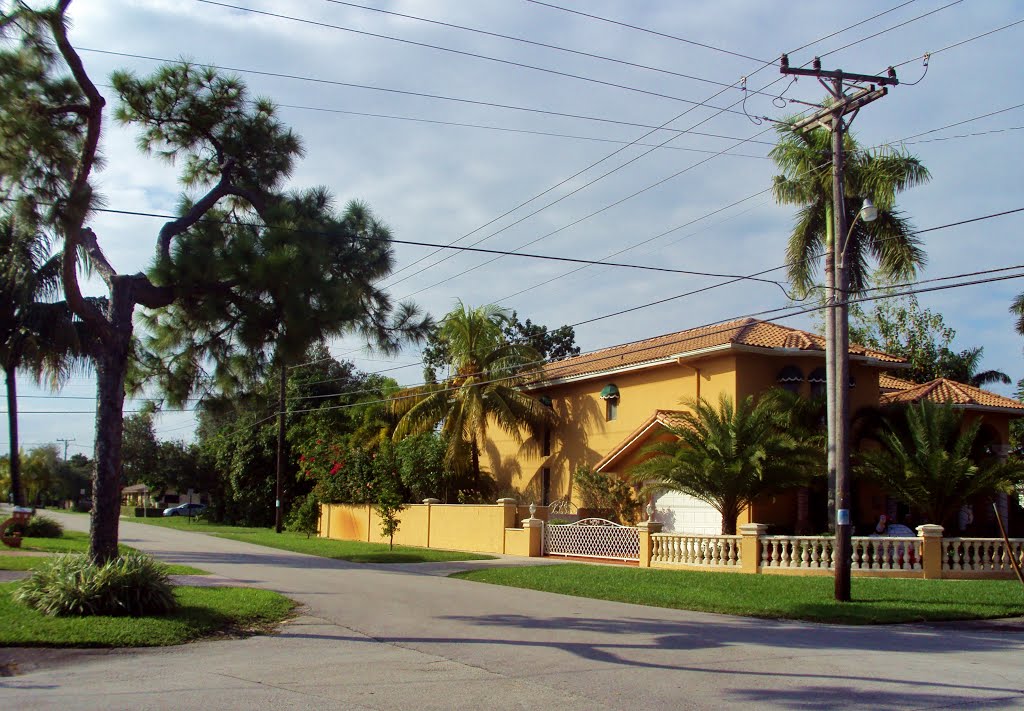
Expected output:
(610, 395)
(546, 443)
(790, 378)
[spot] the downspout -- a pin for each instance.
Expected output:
(696, 370)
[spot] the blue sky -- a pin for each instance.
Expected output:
(697, 203)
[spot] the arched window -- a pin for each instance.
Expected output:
(818, 380)
(790, 378)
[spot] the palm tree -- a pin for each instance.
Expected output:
(35, 334)
(727, 456)
(963, 367)
(1017, 309)
(806, 181)
(481, 388)
(929, 459)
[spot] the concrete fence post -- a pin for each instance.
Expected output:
(429, 503)
(931, 550)
(646, 529)
(750, 546)
(535, 528)
(510, 508)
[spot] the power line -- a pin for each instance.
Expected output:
(645, 153)
(957, 44)
(531, 42)
(890, 29)
(475, 55)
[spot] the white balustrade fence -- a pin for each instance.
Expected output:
(980, 555)
(687, 549)
(818, 552)
(797, 551)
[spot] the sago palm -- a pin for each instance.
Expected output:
(481, 389)
(727, 456)
(928, 459)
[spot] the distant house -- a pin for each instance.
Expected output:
(612, 402)
(140, 495)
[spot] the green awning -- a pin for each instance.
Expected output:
(610, 392)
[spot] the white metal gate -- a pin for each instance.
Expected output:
(592, 538)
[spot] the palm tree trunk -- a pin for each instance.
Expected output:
(730, 512)
(475, 457)
(12, 424)
(830, 364)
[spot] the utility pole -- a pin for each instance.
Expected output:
(281, 403)
(837, 332)
(66, 441)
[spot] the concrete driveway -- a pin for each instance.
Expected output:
(405, 636)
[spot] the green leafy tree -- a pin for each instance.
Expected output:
(234, 156)
(305, 516)
(900, 326)
(41, 472)
(930, 459)
(598, 490)
(389, 505)
(727, 456)
(486, 369)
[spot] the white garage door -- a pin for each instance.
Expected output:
(681, 513)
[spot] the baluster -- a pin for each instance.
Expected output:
(972, 555)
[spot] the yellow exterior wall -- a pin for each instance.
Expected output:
(583, 436)
(460, 527)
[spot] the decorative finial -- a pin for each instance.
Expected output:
(650, 512)
(533, 509)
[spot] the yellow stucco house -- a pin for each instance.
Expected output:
(612, 402)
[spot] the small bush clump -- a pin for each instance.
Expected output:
(71, 584)
(42, 527)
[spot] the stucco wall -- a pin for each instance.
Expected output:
(583, 436)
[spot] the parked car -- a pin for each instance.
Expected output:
(185, 510)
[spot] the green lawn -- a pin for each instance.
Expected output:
(876, 600)
(203, 612)
(70, 542)
(353, 551)
(24, 562)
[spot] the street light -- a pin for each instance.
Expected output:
(839, 437)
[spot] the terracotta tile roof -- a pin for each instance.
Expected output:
(944, 390)
(744, 332)
(891, 382)
(665, 418)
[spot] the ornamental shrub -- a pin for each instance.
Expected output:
(43, 527)
(72, 585)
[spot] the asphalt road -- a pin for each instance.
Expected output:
(406, 637)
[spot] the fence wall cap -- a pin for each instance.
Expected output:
(431, 501)
(930, 530)
(753, 529)
(507, 502)
(533, 522)
(651, 526)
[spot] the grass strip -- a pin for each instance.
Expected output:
(352, 551)
(202, 612)
(875, 600)
(69, 542)
(24, 562)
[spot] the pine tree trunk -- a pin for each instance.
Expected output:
(111, 368)
(12, 423)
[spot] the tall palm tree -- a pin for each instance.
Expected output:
(481, 388)
(806, 181)
(36, 334)
(929, 459)
(728, 456)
